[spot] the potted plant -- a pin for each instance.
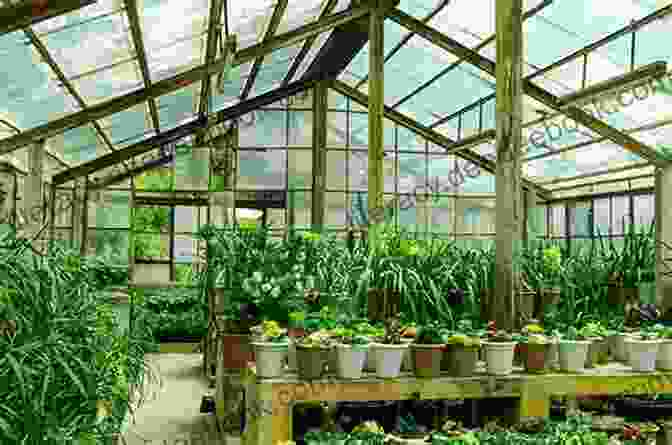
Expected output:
(427, 351)
(664, 358)
(598, 351)
(643, 349)
(388, 351)
(552, 266)
(296, 329)
(616, 335)
(311, 355)
(534, 346)
(351, 352)
(572, 350)
(499, 353)
(270, 347)
(462, 348)
(408, 336)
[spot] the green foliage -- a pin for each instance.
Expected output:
(179, 312)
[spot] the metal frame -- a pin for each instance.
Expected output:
(28, 13)
(529, 88)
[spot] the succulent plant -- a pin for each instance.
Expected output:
(393, 331)
(270, 331)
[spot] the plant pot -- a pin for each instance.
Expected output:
(598, 352)
(369, 361)
(237, 351)
(534, 356)
(572, 355)
(388, 359)
(270, 359)
(643, 354)
(427, 360)
(310, 362)
(350, 360)
(549, 296)
(617, 349)
(407, 363)
(461, 359)
(331, 360)
(499, 357)
(664, 358)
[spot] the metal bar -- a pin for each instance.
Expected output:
(216, 7)
(529, 88)
(138, 42)
(431, 135)
(452, 66)
(656, 15)
(606, 181)
(278, 13)
(28, 13)
(634, 166)
(305, 49)
(181, 131)
(405, 39)
(320, 99)
(176, 82)
(633, 42)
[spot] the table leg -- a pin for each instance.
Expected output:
(534, 400)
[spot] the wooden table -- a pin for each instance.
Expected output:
(270, 401)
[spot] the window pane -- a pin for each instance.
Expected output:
(601, 216)
(579, 220)
(620, 214)
(557, 226)
(644, 210)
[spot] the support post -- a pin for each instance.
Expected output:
(663, 212)
(80, 213)
(320, 93)
(52, 216)
(33, 188)
(376, 120)
(8, 185)
(223, 171)
(131, 236)
(509, 14)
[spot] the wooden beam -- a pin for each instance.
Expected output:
(214, 19)
(141, 54)
(320, 104)
(501, 306)
(28, 13)
(278, 13)
(534, 91)
(305, 49)
(181, 131)
(432, 136)
(174, 83)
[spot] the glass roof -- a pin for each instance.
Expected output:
(94, 50)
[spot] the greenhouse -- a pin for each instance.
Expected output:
(325, 222)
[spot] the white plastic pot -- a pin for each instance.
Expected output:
(291, 355)
(387, 359)
(619, 350)
(350, 360)
(553, 354)
(643, 354)
(664, 358)
(499, 357)
(572, 355)
(270, 358)
(407, 363)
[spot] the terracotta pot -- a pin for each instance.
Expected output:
(534, 356)
(237, 351)
(295, 332)
(462, 360)
(427, 360)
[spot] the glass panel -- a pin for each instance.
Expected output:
(192, 168)
(359, 173)
(97, 9)
(109, 83)
(336, 171)
(557, 226)
(249, 20)
(185, 248)
(300, 133)
(298, 14)
(601, 216)
(105, 41)
(579, 220)
(274, 69)
(443, 215)
(186, 219)
(127, 124)
(109, 209)
(409, 141)
(335, 214)
(175, 57)
(178, 106)
(30, 95)
(77, 145)
(620, 214)
(314, 49)
(644, 210)
(300, 173)
(262, 170)
(299, 204)
(412, 172)
(263, 128)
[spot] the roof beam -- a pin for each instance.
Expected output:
(618, 137)
(431, 135)
(214, 19)
(182, 131)
(176, 82)
(141, 54)
(305, 49)
(278, 13)
(406, 38)
(28, 13)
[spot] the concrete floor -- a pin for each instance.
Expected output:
(171, 416)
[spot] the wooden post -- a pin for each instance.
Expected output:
(508, 175)
(376, 119)
(131, 236)
(80, 213)
(52, 215)
(320, 104)
(663, 212)
(8, 184)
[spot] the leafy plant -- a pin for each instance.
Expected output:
(429, 334)
(270, 332)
